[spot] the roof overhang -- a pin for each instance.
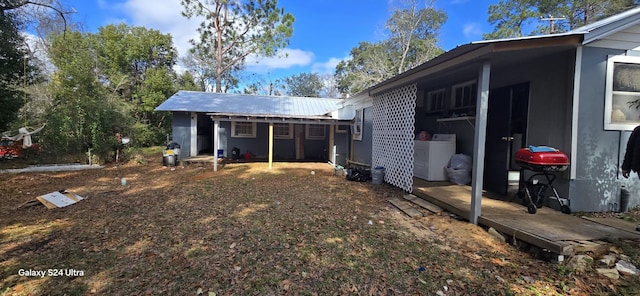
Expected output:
(497, 51)
(324, 120)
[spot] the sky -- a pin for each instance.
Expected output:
(324, 31)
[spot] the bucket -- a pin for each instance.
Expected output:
(624, 199)
(169, 160)
(220, 153)
(377, 176)
(338, 170)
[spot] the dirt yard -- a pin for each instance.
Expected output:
(246, 230)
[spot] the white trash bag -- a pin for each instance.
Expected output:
(459, 169)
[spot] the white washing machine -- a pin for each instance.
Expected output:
(430, 158)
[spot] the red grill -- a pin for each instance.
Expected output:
(542, 159)
(545, 162)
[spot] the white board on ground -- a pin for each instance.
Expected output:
(59, 200)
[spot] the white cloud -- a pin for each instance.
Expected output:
(168, 18)
(165, 17)
(472, 31)
(327, 67)
(285, 59)
(38, 50)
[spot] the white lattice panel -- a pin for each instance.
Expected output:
(393, 134)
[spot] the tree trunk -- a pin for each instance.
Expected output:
(219, 52)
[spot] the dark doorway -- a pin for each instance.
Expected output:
(506, 131)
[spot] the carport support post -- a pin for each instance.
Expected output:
(270, 145)
(482, 107)
(216, 127)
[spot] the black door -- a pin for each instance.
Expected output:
(506, 123)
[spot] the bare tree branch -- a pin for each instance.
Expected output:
(7, 5)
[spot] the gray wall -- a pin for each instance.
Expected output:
(362, 150)
(341, 140)
(181, 129)
(283, 149)
(464, 131)
(600, 152)
(550, 97)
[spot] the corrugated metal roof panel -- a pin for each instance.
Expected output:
(192, 101)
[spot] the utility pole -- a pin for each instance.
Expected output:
(552, 20)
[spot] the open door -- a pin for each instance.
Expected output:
(506, 130)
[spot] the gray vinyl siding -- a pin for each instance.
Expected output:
(362, 150)
(181, 129)
(283, 149)
(599, 152)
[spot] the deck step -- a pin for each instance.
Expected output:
(423, 203)
(405, 207)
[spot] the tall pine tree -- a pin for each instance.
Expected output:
(16, 70)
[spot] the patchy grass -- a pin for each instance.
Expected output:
(249, 230)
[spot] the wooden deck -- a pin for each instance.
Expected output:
(547, 229)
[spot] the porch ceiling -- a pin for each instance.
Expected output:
(464, 61)
(498, 60)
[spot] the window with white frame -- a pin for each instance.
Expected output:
(283, 131)
(435, 100)
(622, 93)
(464, 95)
(356, 127)
(316, 132)
(240, 129)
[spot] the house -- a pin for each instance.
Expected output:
(575, 91)
(266, 127)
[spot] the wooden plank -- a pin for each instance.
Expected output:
(30, 203)
(409, 197)
(423, 203)
(547, 229)
(452, 205)
(405, 207)
(557, 247)
(617, 223)
(46, 203)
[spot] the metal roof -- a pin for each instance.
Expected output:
(609, 25)
(250, 105)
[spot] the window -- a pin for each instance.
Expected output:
(435, 100)
(283, 131)
(356, 127)
(464, 95)
(342, 129)
(243, 129)
(622, 93)
(315, 132)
